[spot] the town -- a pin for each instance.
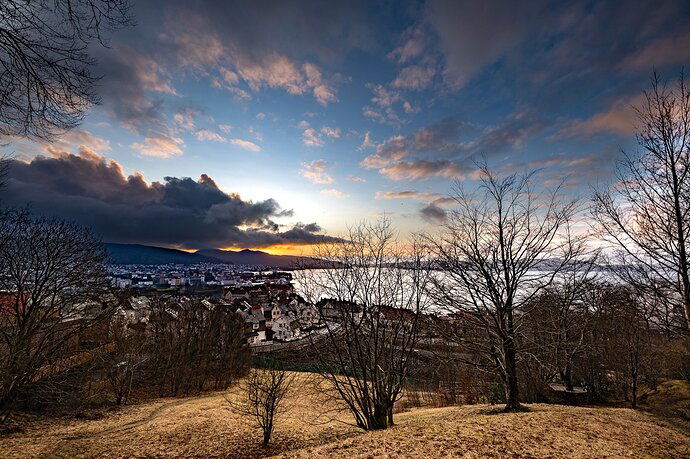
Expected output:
(209, 277)
(266, 300)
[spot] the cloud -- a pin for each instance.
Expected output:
(225, 128)
(206, 134)
(554, 51)
(449, 147)
(257, 135)
(75, 139)
(131, 78)
(386, 98)
(383, 97)
(246, 144)
(431, 210)
(185, 119)
(393, 149)
(659, 53)
(366, 142)
(422, 169)
(413, 43)
(178, 212)
(441, 136)
(324, 91)
(619, 118)
(433, 213)
(210, 45)
(161, 146)
(311, 138)
(333, 192)
(420, 196)
(581, 169)
(409, 108)
(330, 132)
(509, 134)
(260, 116)
(414, 77)
(354, 178)
(315, 172)
(473, 36)
(382, 116)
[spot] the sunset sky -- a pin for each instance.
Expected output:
(270, 124)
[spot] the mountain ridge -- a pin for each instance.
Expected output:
(140, 254)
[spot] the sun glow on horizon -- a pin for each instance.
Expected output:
(279, 249)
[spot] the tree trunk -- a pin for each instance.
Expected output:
(681, 241)
(380, 418)
(511, 377)
(634, 391)
(567, 376)
(390, 416)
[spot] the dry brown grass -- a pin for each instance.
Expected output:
(201, 426)
(545, 431)
(205, 427)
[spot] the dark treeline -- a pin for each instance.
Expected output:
(602, 346)
(180, 347)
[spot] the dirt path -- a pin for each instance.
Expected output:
(67, 443)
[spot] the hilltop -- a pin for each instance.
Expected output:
(138, 254)
(253, 258)
(205, 427)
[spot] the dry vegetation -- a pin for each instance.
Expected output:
(546, 431)
(206, 427)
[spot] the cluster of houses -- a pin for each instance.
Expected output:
(273, 312)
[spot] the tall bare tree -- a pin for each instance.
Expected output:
(370, 299)
(500, 247)
(46, 84)
(52, 274)
(646, 213)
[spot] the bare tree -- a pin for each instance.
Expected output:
(646, 214)
(45, 80)
(370, 299)
(558, 320)
(52, 274)
(500, 247)
(124, 360)
(261, 397)
(194, 345)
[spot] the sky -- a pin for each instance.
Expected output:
(274, 125)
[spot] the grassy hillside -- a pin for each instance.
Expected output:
(205, 427)
(546, 431)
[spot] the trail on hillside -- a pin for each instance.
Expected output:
(151, 416)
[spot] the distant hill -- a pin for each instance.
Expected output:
(137, 254)
(256, 258)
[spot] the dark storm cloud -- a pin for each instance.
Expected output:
(178, 212)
